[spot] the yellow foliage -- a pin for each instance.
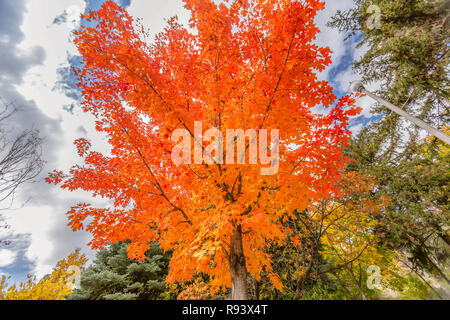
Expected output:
(198, 290)
(348, 228)
(53, 287)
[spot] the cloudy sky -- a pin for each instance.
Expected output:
(36, 55)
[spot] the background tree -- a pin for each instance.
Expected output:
(335, 242)
(20, 159)
(114, 276)
(248, 65)
(20, 156)
(409, 56)
(199, 289)
(51, 287)
(333, 246)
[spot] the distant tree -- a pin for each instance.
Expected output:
(114, 276)
(51, 287)
(409, 55)
(333, 244)
(20, 159)
(197, 290)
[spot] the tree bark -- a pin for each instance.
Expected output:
(301, 282)
(435, 266)
(239, 288)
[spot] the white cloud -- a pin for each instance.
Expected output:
(6, 257)
(356, 128)
(154, 14)
(36, 222)
(39, 30)
(329, 37)
(335, 41)
(43, 219)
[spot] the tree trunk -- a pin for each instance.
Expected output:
(302, 280)
(435, 266)
(446, 238)
(239, 289)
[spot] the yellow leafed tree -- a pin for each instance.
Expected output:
(53, 287)
(345, 230)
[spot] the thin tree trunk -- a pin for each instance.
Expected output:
(253, 288)
(350, 294)
(446, 238)
(423, 279)
(434, 265)
(442, 274)
(444, 235)
(358, 284)
(239, 288)
(302, 280)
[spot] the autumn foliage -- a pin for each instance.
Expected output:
(241, 64)
(54, 286)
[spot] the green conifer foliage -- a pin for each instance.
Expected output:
(113, 276)
(409, 55)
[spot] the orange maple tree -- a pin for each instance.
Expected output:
(241, 64)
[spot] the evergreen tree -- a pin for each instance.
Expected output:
(409, 56)
(114, 276)
(407, 52)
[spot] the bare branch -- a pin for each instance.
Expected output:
(20, 156)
